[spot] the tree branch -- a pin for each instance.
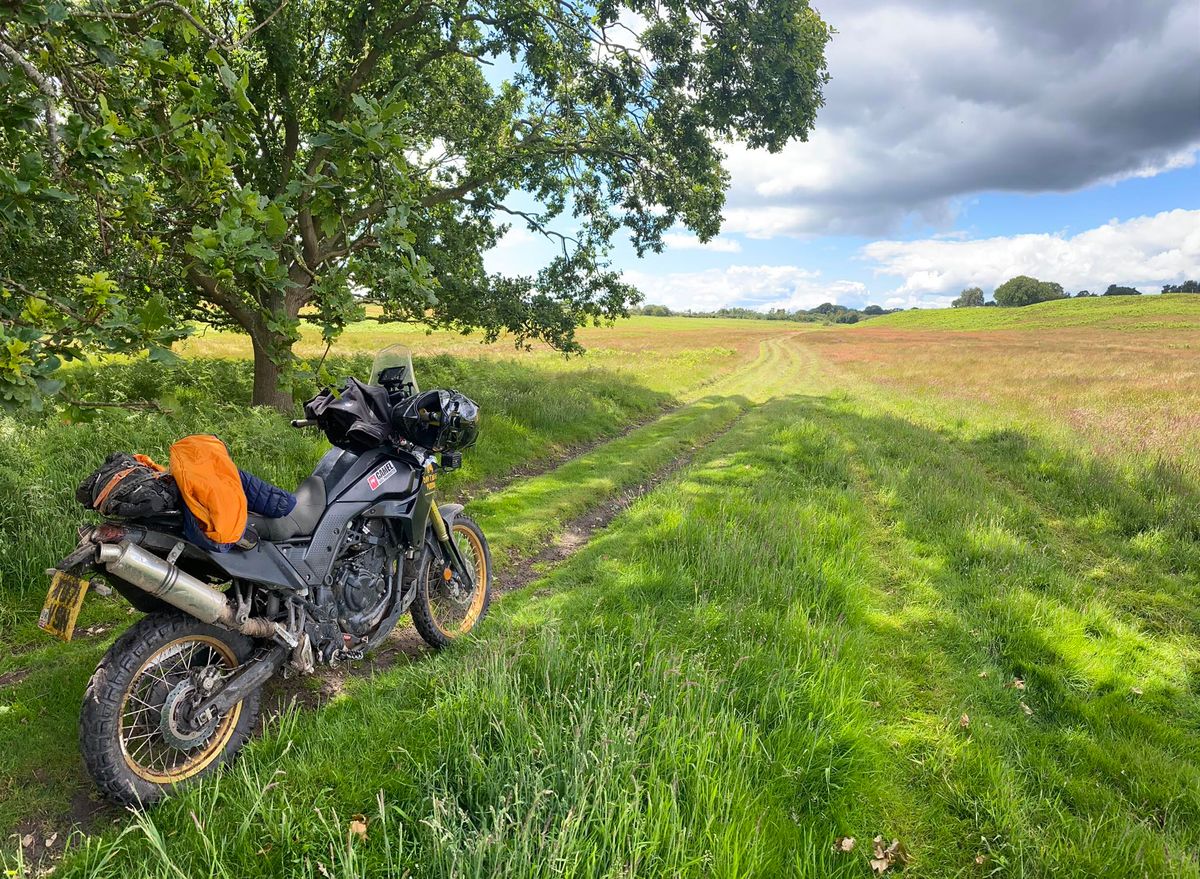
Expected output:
(247, 318)
(46, 88)
(158, 4)
(453, 193)
(237, 44)
(362, 72)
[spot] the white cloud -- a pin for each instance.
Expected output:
(682, 241)
(1143, 252)
(932, 100)
(759, 287)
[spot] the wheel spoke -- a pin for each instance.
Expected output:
(151, 754)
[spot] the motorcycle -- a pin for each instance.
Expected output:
(179, 692)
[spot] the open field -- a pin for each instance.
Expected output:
(1175, 311)
(668, 354)
(1130, 395)
(901, 586)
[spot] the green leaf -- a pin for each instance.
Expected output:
(163, 355)
(154, 315)
(276, 223)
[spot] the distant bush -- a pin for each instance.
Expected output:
(655, 311)
(1185, 287)
(1115, 290)
(972, 297)
(1024, 290)
(1083, 294)
(873, 310)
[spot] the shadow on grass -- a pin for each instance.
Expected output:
(775, 648)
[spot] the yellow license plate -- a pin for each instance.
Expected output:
(63, 602)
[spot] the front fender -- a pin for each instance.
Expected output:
(450, 512)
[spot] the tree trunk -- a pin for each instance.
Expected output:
(266, 381)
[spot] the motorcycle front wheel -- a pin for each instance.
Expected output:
(134, 731)
(445, 608)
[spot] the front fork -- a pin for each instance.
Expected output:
(450, 550)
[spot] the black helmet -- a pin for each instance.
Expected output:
(438, 420)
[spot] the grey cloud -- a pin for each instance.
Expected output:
(933, 100)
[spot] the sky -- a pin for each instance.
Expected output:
(962, 142)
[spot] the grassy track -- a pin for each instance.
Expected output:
(520, 517)
(772, 650)
(869, 608)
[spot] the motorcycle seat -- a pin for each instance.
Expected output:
(300, 522)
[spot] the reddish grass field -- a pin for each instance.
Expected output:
(1125, 392)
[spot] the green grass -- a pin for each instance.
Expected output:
(772, 650)
(39, 774)
(1176, 311)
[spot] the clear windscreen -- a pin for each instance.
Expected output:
(393, 369)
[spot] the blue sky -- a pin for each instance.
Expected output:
(962, 142)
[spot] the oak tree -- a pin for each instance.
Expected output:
(248, 163)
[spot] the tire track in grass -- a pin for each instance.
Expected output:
(533, 522)
(536, 523)
(979, 590)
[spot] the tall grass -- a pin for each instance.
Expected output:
(529, 415)
(776, 649)
(873, 609)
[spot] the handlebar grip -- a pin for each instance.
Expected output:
(303, 422)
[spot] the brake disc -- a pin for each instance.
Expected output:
(173, 721)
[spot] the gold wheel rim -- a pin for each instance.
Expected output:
(479, 562)
(136, 746)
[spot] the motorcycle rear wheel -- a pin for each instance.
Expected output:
(134, 741)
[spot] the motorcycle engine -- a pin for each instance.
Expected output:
(363, 578)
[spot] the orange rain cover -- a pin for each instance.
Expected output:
(210, 486)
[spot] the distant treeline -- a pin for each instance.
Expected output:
(825, 313)
(1024, 290)
(1015, 292)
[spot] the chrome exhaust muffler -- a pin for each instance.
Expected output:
(177, 587)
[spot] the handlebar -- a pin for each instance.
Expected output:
(304, 422)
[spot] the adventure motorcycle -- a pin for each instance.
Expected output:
(179, 692)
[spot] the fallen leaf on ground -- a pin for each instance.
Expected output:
(893, 855)
(983, 674)
(27, 840)
(358, 826)
(1028, 711)
(980, 860)
(1017, 684)
(964, 721)
(1137, 691)
(843, 844)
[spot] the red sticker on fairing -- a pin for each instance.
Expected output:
(382, 475)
